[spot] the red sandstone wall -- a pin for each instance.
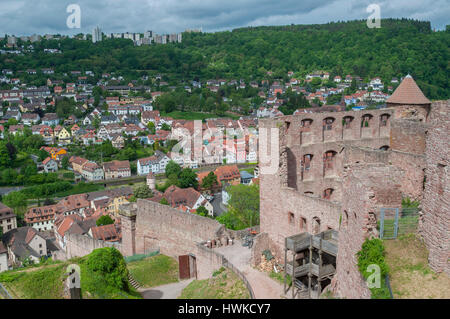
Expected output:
(412, 165)
(435, 224)
(79, 245)
(174, 232)
(408, 136)
(367, 187)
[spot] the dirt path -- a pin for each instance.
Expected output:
(169, 291)
(263, 286)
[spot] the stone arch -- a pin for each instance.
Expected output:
(366, 120)
(328, 123)
(327, 193)
(306, 124)
(329, 158)
(306, 161)
(347, 121)
(384, 119)
(315, 229)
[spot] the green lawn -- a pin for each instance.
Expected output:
(80, 189)
(154, 271)
(223, 285)
(409, 273)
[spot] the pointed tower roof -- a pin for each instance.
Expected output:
(408, 93)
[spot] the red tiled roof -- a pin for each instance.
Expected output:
(105, 232)
(408, 93)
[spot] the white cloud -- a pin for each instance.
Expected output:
(163, 16)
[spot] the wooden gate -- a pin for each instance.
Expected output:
(187, 266)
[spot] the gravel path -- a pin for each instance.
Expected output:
(263, 286)
(169, 291)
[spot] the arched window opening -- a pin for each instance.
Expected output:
(328, 124)
(384, 119)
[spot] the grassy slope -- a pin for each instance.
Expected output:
(225, 285)
(154, 271)
(46, 282)
(409, 273)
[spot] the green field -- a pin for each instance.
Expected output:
(154, 271)
(223, 285)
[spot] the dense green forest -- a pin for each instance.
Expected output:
(399, 47)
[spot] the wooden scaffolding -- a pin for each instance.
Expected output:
(313, 262)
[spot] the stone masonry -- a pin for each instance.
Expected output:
(435, 224)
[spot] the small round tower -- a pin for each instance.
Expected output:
(151, 181)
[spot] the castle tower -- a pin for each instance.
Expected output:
(128, 214)
(151, 181)
(409, 101)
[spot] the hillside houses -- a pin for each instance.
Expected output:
(154, 164)
(116, 169)
(184, 199)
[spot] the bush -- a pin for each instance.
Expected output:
(107, 268)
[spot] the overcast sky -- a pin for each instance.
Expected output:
(25, 17)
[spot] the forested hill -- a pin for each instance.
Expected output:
(399, 47)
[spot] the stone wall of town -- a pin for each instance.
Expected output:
(435, 224)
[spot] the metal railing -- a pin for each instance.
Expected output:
(225, 263)
(230, 266)
(5, 294)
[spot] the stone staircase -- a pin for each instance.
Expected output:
(133, 282)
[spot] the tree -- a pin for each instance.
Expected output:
(188, 178)
(243, 207)
(4, 156)
(173, 168)
(143, 192)
(165, 127)
(202, 211)
(65, 162)
(16, 200)
(151, 127)
(104, 220)
(209, 181)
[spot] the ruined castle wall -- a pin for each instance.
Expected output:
(408, 136)
(435, 225)
(309, 135)
(82, 245)
(293, 196)
(175, 233)
(413, 166)
(367, 187)
(285, 212)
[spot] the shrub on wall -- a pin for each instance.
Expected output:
(372, 253)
